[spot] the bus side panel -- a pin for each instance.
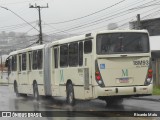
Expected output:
(37, 75)
(12, 77)
(77, 76)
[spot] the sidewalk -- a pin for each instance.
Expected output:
(149, 98)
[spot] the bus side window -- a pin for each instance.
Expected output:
(73, 54)
(14, 63)
(34, 60)
(24, 61)
(64, 55)
(39, 59)
(88, 46)
(80, 53)
(20, 62)
(30, 58)
(56, 57)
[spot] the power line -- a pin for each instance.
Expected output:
(17, 25)
(19, 2)
(124, 24)
(151, 14)
(89, 14)
(19, 17)
(56, 28)
(99, 21)
(27, 41)
(30, 29)
(95, 13)
(95, 21)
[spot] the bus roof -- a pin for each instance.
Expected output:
(83, 37)
(27, 49)
(66, 40)
(115, 31)
(72, 39)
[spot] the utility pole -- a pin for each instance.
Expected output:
(40, 25)
(138, 22)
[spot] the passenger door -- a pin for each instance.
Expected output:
(23, 74)
(55, 66)
(55, 71)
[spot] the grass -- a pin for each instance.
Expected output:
(156, 90)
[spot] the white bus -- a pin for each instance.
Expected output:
(109, 65)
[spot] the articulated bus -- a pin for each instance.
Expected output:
(109, 65)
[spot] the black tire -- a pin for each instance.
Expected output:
(70, 95)
(16, 89)
(35, 92)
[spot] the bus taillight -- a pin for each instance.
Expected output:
(149, 77)
(97, 73)
(150, 73)
(98, 77)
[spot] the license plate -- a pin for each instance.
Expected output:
(124, 80)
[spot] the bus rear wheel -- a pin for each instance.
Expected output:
(70, 95)
(36, 93)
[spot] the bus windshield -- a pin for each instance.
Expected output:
(119, 43)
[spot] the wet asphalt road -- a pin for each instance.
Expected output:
(9, 102)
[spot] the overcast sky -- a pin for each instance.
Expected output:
(85, 15)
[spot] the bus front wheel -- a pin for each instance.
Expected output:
(70, 95)
(36, 93)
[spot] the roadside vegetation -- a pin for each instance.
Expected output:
(156, 90)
